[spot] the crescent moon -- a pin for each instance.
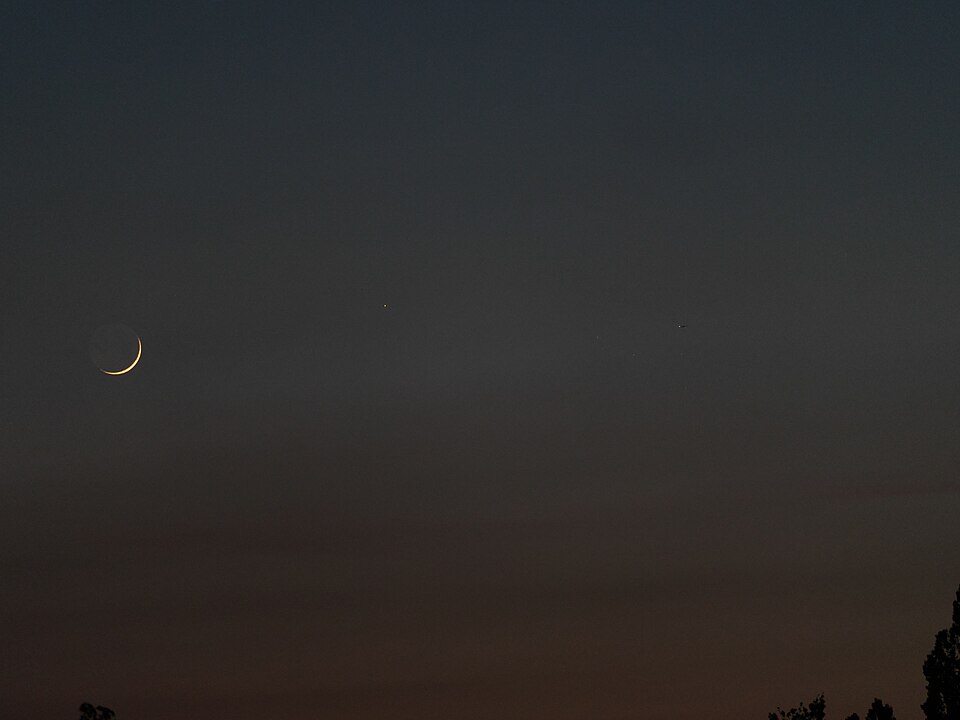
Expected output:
(132, 365)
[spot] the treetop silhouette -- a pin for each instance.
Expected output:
(815, 711)
(89, 712)
(941, 669)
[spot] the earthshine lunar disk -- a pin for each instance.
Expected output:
(132, 365)
(115, 349)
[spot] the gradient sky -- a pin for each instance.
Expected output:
(415, 433)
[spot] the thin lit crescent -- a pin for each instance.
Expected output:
(132, 365)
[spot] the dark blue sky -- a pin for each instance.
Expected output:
(415, 432)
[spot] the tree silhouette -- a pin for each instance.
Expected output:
(89, 712)
(942, 670)
(815, 711)
(879, 711)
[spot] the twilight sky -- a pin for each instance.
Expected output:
(416, 433)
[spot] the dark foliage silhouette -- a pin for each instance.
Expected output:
(879, 711)
(89, 712)
(815, 711)
(942, 671)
